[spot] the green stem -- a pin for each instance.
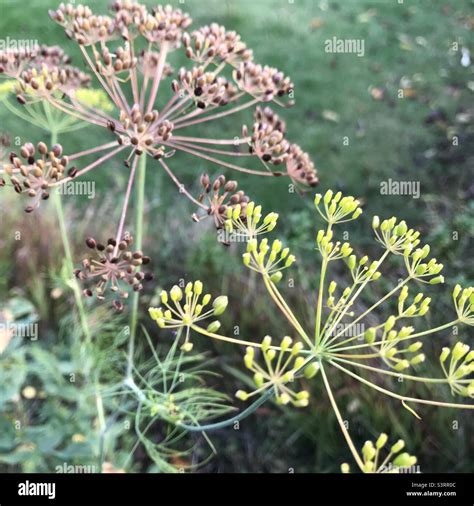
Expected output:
(68, 254)
(226, 423)
(342, 425)
(140, 201)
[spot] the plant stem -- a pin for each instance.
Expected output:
(139, 205)
(68, 255)
(344, 430)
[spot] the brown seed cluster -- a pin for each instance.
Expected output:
(263, 82)
(109, 64)
(35, 170)
(214, 43)
(165, 24)
(300, 167)
(37, 83)
(205, 88)
(218, 196)
(268, 140)
(145, 132)
(82, 25)
(42, 71)
(112, 267)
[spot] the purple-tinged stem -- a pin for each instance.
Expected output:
(125, 203)
(181, 187)
(92, 150)
(158, 76)
(218, 115)
(217, 161)
(91, 166)
(235, 142)
(211, 150)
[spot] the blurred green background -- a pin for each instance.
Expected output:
(349, 117)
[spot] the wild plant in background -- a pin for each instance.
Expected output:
(340, 341)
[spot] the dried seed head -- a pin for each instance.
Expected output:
(214, 42)
(263, 82)
(204, 88)
(35, 170)
(112, 267)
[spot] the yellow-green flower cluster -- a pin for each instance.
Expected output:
(391, 354)
(280, 371)
(340, 304)
(394, 462)
(249, 221)
(464, 303)
(362, 271)
(396, 237)
(419, 306)
(418, 269)
(266, 259)
(461, 365)
(336, 208)
(331, 250)
(96, 99)
(6, 88)
(186, 308)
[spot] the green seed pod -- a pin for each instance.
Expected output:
(437, 280)
(164, 296)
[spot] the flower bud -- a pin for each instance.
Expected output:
(176, 293)
(220, 304)
(243, 396)
(389, 323)
(286, 343)
(187, 347)
(164, 296)
(345, 468)
(459, 350)
(369, 335)
(398, 446)
(214, 327)
(266, 343)
(311, 370)
(276, 277)
(437, 280)
(444, 354)
(375, 222)
(404, 460)
(381, 441)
